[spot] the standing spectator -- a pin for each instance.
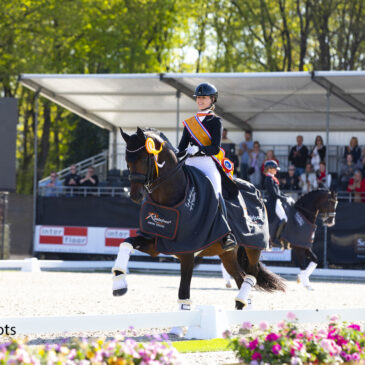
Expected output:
(357, 187)
(90, 179)
(52, 186)
(318, 153)
(299, 155)
(225, 138)
(72, 179)
(346, 171)
(245, 148)
(256, 158)
(290, 181)
(308, 180)
(353, 149)
(363, 166)
(323, 179)
(270, 155)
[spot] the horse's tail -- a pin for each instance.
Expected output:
(266, 280)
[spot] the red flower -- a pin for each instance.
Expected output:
(272, 337)
(256, 356)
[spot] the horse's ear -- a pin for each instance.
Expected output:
(140, 133)
(124, 135)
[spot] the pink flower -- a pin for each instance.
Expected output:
(243, 342)
(292, 351)
(355, 356)
(355, 327)
(276, 349)
(226, 334)
(256, 356)
(334, 318)
(272, 337)
(253, 344)
(291, 316)
(348, 357)
(263, 325)
(246, 325)
(327, 344)
(281, 325)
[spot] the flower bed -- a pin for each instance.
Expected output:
(285, 343)
(119, 351)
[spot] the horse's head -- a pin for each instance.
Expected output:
(146, 157)
(327, 208)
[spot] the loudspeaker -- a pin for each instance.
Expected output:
(8, 122)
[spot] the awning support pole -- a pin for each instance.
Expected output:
(35, 172)
(178, 96)
(328, 95)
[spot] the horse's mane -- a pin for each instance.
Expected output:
(161, 135)
(309, 196)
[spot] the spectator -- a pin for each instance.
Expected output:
(244, 150)
(290, 181)
(52, 186)
(225, 138)
(308, 180)
(323, 179)
(270, 155)
(299, 155)
(72, 179)
(318, 153)
(90, 178)
(256, 158)
(363, 166)
(357, 187)
(346, 171)
(353, 149)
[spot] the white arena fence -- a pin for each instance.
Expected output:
(33, 264)
(205, 322)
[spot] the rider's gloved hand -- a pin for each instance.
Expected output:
(290, 200)
(192, 150)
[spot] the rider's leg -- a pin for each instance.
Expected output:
(280, 212)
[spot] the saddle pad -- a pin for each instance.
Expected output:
(158, 220)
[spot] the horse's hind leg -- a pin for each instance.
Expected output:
(302, 256)
(186, 273)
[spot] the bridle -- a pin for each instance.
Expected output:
(325, 216)
(149, 183)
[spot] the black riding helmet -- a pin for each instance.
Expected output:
(206, 89)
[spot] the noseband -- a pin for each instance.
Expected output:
(325, 216)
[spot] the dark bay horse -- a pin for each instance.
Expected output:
(317, 203)
(164, 182)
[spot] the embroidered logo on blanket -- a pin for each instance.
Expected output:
(190, 200)
(299, 219)
(154, 220)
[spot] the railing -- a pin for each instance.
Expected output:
(98, 161)
(80, 191)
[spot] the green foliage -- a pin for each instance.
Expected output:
(127, 36)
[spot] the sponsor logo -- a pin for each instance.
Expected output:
(115, 236)
(299, 219)
(154, 220)
(360, 245)
(73, 236)
(191, 199)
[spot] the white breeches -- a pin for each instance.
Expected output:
(209, 168)
(279, 210)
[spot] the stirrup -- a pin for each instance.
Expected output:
(228, 242)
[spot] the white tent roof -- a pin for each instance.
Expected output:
(264, 101)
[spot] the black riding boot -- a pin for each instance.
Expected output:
(280, 229)
(229, 241)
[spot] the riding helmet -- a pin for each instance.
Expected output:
(206, 89)
(271, 164)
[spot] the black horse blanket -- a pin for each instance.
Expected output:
(298, 231)
(190, 226)
(197, 222)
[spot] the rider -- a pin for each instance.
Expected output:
(275, 196)
(202, 151)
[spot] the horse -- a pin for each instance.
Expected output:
(164, 180)
(317, 203)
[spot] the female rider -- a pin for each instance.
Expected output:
(202, 150)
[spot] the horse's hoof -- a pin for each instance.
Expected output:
(119, 292)
(240, 304)
(177, 331)
(228, 285)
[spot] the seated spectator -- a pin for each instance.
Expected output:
(72, 179)
(244, 149)
(298, 156)
(323, 179)
(52, 186)
(290, 181)
(90, 178)
(256, 158)
(357, 187)
(270, 155)
(353, 149)
(308, 180)
(347, 170)
(318, 153)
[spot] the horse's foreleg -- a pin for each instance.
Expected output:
(229, 261)
(301, 257)
(186, 273)
(119, 269)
